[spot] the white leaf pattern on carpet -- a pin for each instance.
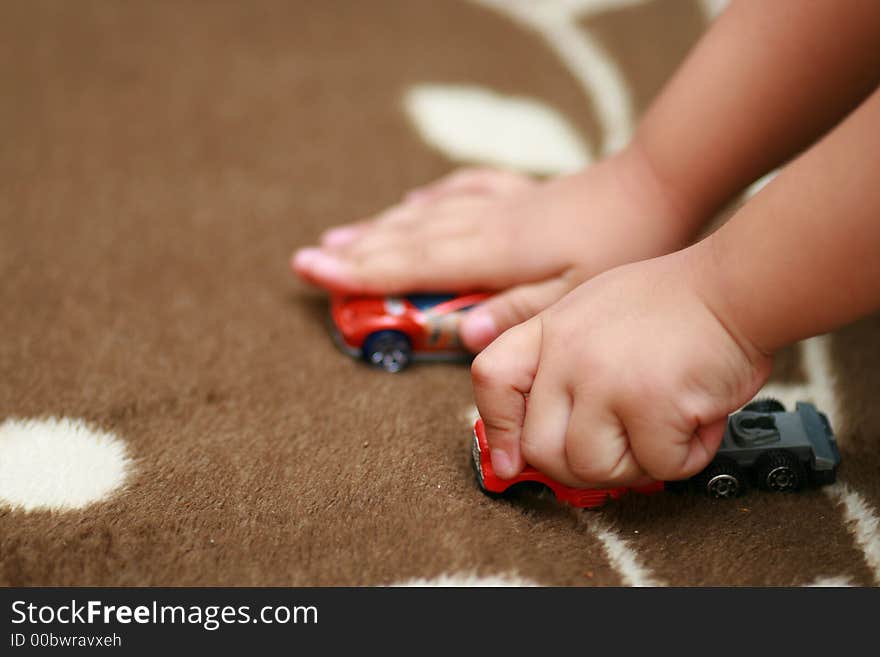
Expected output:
(622, 556)
(830, 582)
(473, 124)
(468, 580)
(599, 76)
(862, 521)
(58, 464)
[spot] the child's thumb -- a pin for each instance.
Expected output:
(497, 314)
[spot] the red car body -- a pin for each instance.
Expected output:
(585, 498)
(428, 322)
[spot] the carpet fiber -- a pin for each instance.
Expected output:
(159, 162)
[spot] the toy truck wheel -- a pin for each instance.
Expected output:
(722, 479)
(389, 350)
(677, 486)
(767, 405)
(780, 472)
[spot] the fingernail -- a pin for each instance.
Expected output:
(326, 265)
(304, 258)
(340, 236)
(317, 262)
(478, 329)
(501, 463)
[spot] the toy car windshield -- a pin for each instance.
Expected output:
(428, 301)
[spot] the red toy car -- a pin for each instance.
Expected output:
(389, 332)
(585, 498)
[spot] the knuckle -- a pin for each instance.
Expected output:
(485, 370)
(663, 454)
(591, 470)
(607, 461)
(664, 471)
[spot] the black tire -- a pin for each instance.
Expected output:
(766, 405)
(478, 476)
(722, 479)
(531, 495)
(678, 487)
(388, 350)
(524, 489)
(780, 472)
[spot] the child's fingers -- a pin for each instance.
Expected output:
(547, 418)
(425, 258)
(388, 236)
(444, 265)
(300, 264)
(491, 318)
(709, 436)
(502, 376)
(346, 234)
(340, 236)
(460, 181)
(597, 447)
(396, 273)
(668, 452)
(471, 180)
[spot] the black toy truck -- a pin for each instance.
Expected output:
(773, 449)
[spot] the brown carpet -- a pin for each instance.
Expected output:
(160, 159)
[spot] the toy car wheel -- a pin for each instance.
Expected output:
(531, 493)
(780, 472)
(390, 350)
(677, 486)
(722, 479)
(475, 462)
(767, 405)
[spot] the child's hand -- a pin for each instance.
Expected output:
(629, 378)
(483, 229)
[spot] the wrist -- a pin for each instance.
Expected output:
(708, 272)
(683, 216)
